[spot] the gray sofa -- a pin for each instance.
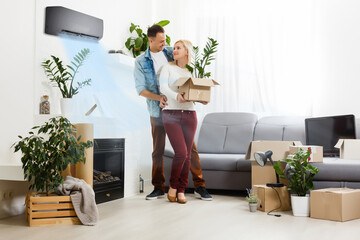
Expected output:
(223, 141)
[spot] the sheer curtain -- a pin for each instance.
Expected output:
(265, 61)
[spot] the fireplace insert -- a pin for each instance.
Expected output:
(109, 161)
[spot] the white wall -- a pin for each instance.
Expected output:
(17, 50)
(17, 72)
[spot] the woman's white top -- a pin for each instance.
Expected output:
(169, 74)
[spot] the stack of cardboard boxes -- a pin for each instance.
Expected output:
(337, 204)
(260, 176)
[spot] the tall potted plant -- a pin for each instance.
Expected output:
(46, 154)
(300, 174)
(63, 77)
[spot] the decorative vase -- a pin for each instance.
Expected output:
(67, 107)
(300, 205)
(252, 207)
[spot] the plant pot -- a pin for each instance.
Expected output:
(67, 107)
(300, 205)
(252, 207)
(49, 210)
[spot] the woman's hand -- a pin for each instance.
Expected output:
(180, 97)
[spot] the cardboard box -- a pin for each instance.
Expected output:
(349, 148)
(266, 174)
(269, 200)
(196, 89)
(280, 149)
(337, 204)
(316, 152)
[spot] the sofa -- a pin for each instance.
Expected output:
(223, 141)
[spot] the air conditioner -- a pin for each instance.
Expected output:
(63, 20)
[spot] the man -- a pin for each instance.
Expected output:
(146, 73)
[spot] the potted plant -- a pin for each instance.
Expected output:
(198, 87)
(300, 174)
(252, 199)
(63, 78)
(46, 154)
(137, 45)
(197, 67)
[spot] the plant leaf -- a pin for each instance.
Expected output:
(138, 42)
(163, 23)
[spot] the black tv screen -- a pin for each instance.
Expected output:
(326, 131)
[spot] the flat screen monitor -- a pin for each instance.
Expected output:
(326, 131)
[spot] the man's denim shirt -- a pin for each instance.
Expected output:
(145, 78)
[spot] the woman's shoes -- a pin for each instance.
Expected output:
(176, 196)
(181, 200)
(171, 198)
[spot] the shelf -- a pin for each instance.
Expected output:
(11, 172)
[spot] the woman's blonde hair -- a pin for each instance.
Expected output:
(188, 46)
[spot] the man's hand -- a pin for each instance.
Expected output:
(180, 97)
(163, 100)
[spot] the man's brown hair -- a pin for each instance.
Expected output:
(154, 29)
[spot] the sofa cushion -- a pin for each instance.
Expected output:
(295, 133)
(238, 138)
(225, 162)
(211, 138)
(265, 131)
(226, 132)
(338, 172)
(280, 128)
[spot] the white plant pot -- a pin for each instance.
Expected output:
(300, 205)
(252, 207)
(67, 107)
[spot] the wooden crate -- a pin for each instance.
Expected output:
(49, 210)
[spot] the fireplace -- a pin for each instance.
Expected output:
(109, 159)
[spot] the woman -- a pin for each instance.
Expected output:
(179, 118)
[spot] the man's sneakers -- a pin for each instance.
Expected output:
(157, 193)
(203, 194)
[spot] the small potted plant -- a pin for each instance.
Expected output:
(63, 78)
(300, 174)
(252, 199)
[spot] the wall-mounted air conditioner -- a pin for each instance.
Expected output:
(63, 20)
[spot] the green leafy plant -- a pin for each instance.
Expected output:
(300, 174)
(64, 79)
(137, 45)
(251, 196)
(46, 154)
(198, 64)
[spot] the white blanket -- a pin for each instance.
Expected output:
(83, 199)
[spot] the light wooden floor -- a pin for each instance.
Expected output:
(226, 217)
